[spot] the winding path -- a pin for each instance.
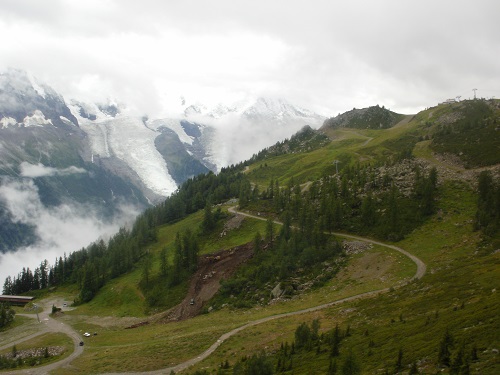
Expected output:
(421, 269)
(55, 326)
(49, 325)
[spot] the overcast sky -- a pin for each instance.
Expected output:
(328, 56)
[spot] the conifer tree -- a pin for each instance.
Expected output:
(445, 346)
(269, 230)
(399, 361)
(163, 262)
(351, 365)
(208, 223)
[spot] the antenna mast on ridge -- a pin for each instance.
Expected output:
(474, 93)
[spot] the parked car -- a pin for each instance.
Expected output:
(86, 334)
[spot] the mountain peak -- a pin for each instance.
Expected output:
(22, 96)
(280, 111)
(374, 117)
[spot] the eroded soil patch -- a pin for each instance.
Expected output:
(206, 281)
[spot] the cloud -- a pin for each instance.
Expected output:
(39, 170)
(62, 229)
(325, 55)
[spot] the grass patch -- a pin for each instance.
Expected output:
(119, 297)
(161, 345)
(448, 234)
(17, 322)
(458, 293)
(40, 343)
(243, 234)
(413, 318)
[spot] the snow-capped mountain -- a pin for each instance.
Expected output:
(280, 112)
(267, 111)
(25, 102)
(50, 191)
(156, 155)
(247, 126)
(102, 156)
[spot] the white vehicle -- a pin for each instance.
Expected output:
(86, 334)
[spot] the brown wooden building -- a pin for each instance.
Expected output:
(16, 300)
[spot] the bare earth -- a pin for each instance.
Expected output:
(203, 286)
(206, 282)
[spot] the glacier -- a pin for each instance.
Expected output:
(128, 139)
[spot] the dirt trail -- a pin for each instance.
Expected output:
(404, 121)
(48, 325)
(421, 269)
(212, 269)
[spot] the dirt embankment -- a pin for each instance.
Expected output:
(206, 281)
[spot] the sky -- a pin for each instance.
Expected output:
(328, 56)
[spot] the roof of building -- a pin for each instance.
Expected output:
(8, 297)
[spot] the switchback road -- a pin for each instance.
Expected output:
(421, 269)
(55, 326)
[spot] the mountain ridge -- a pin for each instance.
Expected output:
(390, 188)
(374, 117)
(134, 159)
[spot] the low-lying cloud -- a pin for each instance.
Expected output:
(62, 229)
(40, 170)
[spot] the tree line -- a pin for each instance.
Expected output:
(488, 204)
(359, 199)
(333, 356)
(356, 200)
(91, 267)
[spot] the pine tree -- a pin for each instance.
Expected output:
(7, 286)
(445, 346)
(303, 336)
(163, 262)
(332, 367)
(351, 365)
(368, 211)
(315, 329)
(208, 223)
(257, 240)
(269, 230)
(336, 342)
(146, 270)
(399, 362)
(6, 314)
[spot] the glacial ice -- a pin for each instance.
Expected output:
(130, 140)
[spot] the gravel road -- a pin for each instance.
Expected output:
(51, 325)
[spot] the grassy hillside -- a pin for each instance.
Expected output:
(391, 332)
(458, 294)
(468, 130)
